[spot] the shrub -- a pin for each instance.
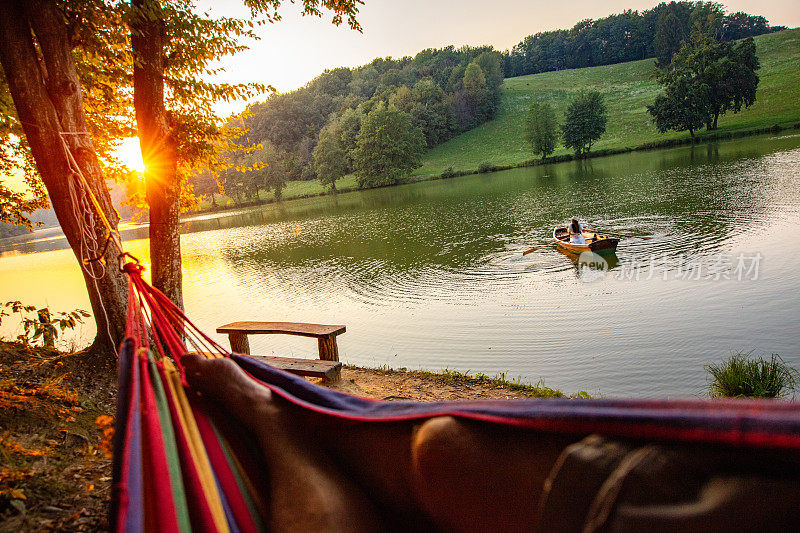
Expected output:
(485, 167)
(43, 325)
(448, 172)
(743, 375)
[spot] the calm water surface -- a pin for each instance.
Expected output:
(431, 275)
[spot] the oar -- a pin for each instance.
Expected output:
(621, 234)
(526, 252)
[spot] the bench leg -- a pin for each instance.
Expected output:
(333, 376)
(239, 343)
(328, 351)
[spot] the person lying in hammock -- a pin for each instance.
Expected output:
(451, 474)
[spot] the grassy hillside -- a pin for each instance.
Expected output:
(628, 88)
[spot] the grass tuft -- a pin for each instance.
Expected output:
(743, 375)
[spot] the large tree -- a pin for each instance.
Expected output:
(681, 107)
(68, 67)
(584, 122)
(172, 47)
(388, 145)
(541, 129)
(704, 80)
(37, 41)
(331, 160)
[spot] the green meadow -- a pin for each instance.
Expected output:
(628, 88)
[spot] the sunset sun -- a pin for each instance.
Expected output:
(129, 153)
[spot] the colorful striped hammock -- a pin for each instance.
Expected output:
(181, 465)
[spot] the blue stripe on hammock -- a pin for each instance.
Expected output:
(749, 418)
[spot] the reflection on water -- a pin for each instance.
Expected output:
(431, 275)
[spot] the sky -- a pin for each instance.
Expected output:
(296, 49)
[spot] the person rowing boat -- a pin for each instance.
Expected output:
(575, 231)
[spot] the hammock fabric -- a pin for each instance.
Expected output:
(180, 466)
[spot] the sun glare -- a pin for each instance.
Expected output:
(129, 153)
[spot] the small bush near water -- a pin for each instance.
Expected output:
(743, 375)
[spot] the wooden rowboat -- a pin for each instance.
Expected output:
(595, 242)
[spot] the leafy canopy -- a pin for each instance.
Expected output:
(585, 121)
(99, 34)
(704, 80)
(387, 146)
(331, 159)
(541, 129)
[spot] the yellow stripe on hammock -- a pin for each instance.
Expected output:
(196, 448)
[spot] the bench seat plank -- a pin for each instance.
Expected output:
(289, 328)
(328, 370)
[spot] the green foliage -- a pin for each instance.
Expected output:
(41, 324)
(430, 87)
(472, 101)
(448, 172)
(628, 89)
(743, 375)
(629, 36)
(704, 80)
(491, 64)
(584, 122)
(673, 26)
(251, 171)
(485, 167)
(541, 129)
(433, 111)
(681, 107)
(331, 160)
(388, 146)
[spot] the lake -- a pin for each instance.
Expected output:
(431, 275)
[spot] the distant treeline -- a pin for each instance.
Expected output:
(446, 92)
(629, 36)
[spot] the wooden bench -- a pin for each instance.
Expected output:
(327, 367)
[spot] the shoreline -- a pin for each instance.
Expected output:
(699, 139)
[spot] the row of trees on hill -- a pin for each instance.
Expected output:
(433, 96)
(658, 32)
(584, 122)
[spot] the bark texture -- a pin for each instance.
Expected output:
(47, 96)
(158, 148)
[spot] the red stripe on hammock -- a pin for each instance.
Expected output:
(222, 472)
(160, 512)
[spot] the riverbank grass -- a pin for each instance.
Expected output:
(744, 375)
(479, 380)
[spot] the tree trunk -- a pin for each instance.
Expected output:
(716, 116)
(48, 100)
(158, 148)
